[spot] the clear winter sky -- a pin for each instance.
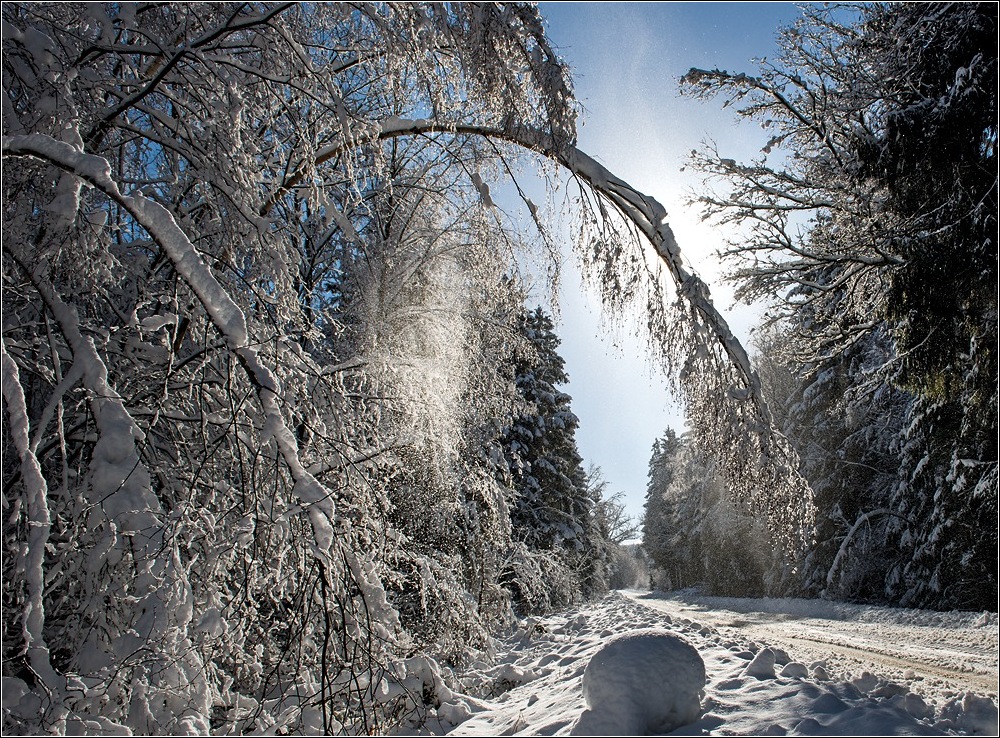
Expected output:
(627, 59)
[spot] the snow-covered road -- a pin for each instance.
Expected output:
(774, 667)
(935, 654)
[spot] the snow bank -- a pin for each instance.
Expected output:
(642, 682)
(833, 610)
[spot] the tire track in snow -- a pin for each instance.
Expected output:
(881, 662)
(930, 661)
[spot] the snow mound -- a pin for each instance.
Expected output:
(762, 665)
(642, 682)
(974, 714)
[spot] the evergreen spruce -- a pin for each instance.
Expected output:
(551, 506)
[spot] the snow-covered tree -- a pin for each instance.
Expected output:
(845, 421)
(430, 313)
(607, 563)
(872, 212)
(548, 470)
(693, 533)
(235, 238)
(196, 493)
(658, 509)
(551, 504)
(938, 161)
(629, 568)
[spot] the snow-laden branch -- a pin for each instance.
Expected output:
(39, 525)
(162, 66)
(649, 215)
(223, 311)
(120, 486)
(849, 537)
(761, 466)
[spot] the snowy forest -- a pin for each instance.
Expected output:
(285, 437)
(871, 230)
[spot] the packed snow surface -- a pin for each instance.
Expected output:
(641, 682)
(770, 669)
(934, 653)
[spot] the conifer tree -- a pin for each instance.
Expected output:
(693, 532)
(551, 504)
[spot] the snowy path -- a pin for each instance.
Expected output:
(838, 676)
(933, 653)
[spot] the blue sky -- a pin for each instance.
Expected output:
(627, 59)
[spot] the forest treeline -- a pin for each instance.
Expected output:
(869, 224)
(282, 442)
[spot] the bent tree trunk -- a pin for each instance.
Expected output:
(722, 392)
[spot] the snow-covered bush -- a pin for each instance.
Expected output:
(642, 682)
(539, 580)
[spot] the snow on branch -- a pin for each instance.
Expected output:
(225, 314)
(735, 421)
(119, 485)
(644, 211)
(39, 525)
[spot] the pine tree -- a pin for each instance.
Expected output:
(693, 532)
(551, 505)
(845, 422)
(658, 511)
(937, 159)
(549, 475)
